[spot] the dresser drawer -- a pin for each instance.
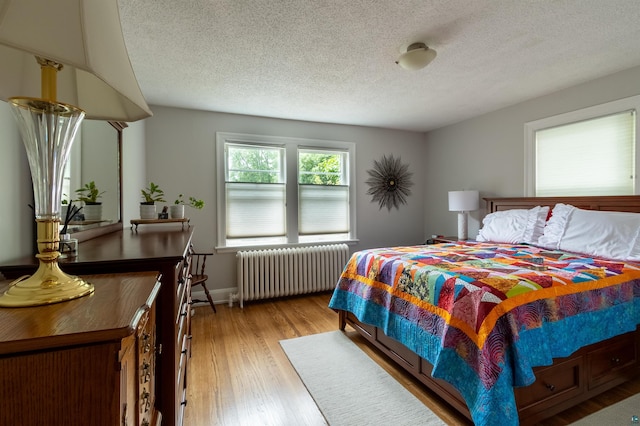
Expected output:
(182, 273)
(182, 323)
(562, 380)
(607, 362)
(147, 366)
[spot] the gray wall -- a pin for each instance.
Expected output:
(181, 159)
(134, 170)
(16, 217)
(487, 152)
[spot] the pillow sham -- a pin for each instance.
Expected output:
(515, 226)
(612, 235)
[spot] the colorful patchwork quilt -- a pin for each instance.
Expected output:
(485, 314)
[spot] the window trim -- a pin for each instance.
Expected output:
(596, 111)
(291, 145)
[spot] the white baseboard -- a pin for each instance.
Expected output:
(219, 296)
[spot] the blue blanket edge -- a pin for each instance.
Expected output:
(495, 405)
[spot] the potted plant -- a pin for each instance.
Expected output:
(151, 195)
(89, 195)
(177, 209)
(64, 208)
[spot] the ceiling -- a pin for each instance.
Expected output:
(333, 61)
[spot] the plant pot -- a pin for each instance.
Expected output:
(148, 211)
(176, 211)
(92, 212)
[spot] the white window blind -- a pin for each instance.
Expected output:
(324, 209)
(590, 157)
(255, 210)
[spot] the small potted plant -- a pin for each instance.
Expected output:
(177, 209)
(150, 195)
(64, 208)
(89, 195)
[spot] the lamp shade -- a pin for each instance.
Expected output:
(464, 201)
(85, 36)
(417, 56)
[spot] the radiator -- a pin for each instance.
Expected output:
(264, 274)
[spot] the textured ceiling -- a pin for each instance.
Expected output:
(334, 60)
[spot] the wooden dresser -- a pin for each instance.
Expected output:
(89, 361)
(151, 248)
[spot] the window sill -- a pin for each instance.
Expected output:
(234, 249)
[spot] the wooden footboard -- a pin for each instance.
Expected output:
(586, 373)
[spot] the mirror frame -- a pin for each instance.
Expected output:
(117, 226)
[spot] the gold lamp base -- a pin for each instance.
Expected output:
(48, 284)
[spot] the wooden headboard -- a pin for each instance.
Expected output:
(620, 203)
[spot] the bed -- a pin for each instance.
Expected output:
(509, 332)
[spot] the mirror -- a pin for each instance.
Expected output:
(96, 156)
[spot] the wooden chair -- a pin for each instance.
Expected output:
(198, 277)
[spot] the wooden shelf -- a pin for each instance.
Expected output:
(87, 222)
(136, 222)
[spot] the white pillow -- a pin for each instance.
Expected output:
(612, 235)
(515, 226)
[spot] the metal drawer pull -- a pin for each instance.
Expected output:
(144, 399)
(615, 361)
(146, 372)
(550, 387)
(146, 342)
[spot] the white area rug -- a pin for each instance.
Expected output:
(616, 414)
(349, 387)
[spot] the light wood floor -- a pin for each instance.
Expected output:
(239, 374)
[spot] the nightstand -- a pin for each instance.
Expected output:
(439, 239)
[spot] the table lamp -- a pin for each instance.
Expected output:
(59, 62)
(463, 202)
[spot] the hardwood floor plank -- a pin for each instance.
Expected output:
(239, 374)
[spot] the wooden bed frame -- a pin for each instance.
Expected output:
(589, 371)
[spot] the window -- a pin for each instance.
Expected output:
(254, 191)
(323, 194)
(278, 191)
(586, 152)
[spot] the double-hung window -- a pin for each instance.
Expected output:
(279, 191)
(255, 191)
(323, 194)
(587, 152)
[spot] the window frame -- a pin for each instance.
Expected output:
(305, 187)
(597, 111)
(291, 146)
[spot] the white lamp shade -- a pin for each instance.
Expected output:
(464, 201)
(85, 36)
(417, 56)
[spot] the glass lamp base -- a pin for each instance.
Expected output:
(48, 129)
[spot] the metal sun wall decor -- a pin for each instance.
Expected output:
(389, 182)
